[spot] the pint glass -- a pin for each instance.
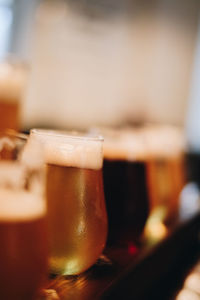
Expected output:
(12, 82)
(125, 184)
(165, 168)
(23, 251)
(77, 219)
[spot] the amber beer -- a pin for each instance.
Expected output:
(23, 251)
(143, 174)
(9, 112)
(165, 168)
(77, 217)
(12, 80)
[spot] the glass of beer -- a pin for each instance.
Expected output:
(76, 213)
(12, 82)
(143, 176)
(23, 251)
(165, 168)
(125, 184)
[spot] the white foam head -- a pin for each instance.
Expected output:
(12, 82)
(32, 155)
(140, 144)
(124, 145)
(70, 149)
(164, 141)
(18, 205)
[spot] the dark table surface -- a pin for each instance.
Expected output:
(153, 269)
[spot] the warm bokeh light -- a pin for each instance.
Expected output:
(155, 229)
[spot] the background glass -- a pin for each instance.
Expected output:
(143, 174)
(12, 83)
(125, 185)
(23, 251)
(165, 167)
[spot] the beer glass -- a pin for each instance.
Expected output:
(165, 168)
(23, 251)
(12, 82)
(77, 220)
(125, 184)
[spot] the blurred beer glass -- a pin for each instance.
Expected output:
(77, 217)
(125, 185)
(23, 251)
(12, 82)
(165, 168)
(143, 175)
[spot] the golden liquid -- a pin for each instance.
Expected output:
(9, 115)
(23, 258)
(165, 179)
(77, 218)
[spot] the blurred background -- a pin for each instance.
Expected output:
(107, 62)
(114, 64)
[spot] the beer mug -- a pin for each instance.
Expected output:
(76, 213)
(12, 82)
(23, 251)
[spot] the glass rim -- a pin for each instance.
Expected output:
(73, 134)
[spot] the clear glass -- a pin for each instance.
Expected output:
(125, 184)
(13, 75)
(23, 251)
(77, 218)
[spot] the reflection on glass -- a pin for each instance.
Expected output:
(155, 229)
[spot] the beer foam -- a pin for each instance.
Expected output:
(140, 144)
(32, 155)
(127, 146)
(18, 205)
(70, 149)
(12, 174)
(164, 141)
(12, 82)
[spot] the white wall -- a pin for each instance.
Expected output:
(163, 43)
(87, 72)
